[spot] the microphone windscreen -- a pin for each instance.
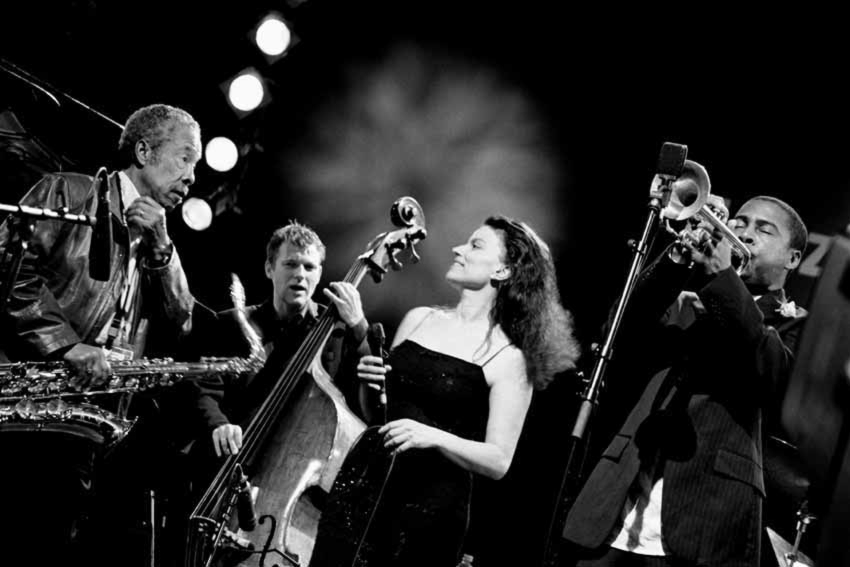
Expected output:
(100, 247)
(671, 159)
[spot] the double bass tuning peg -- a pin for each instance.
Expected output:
(395, 263)
(414, 255)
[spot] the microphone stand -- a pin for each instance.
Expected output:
(21, 228)
(589, 398)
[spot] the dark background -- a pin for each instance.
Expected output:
(759, 98)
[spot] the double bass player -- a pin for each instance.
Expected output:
(294, 258)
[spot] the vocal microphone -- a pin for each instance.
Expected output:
(245, 502)
(376, 339)
(100, 246)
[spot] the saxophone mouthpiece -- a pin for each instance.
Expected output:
(237, 295)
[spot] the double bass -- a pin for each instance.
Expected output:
(295, 444)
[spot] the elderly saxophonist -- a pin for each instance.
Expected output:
(57, 311)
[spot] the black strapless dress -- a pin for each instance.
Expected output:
(416, 506)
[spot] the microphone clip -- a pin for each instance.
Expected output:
(377, 339)
(245, 511)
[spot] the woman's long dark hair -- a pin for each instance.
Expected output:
(528, 306)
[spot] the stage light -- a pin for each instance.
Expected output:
(221, 154)
(246, 92)
(197, 213)
(273, 36)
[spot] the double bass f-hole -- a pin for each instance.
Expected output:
(294, 445)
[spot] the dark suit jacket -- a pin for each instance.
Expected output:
(700, 393)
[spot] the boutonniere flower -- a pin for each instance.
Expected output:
(787, 309)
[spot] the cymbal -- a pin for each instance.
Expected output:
(782, 548)
(784, 469)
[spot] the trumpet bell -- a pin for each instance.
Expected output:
(688, 194)
(691, 198)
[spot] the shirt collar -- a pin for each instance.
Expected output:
(770, 302)
(129, 193)
(268, 316)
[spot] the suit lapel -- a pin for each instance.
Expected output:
(769, 303)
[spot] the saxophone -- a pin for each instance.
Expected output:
(41, 396)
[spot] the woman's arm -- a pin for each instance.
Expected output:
(510, 397)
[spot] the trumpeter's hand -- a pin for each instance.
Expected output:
(713, 253)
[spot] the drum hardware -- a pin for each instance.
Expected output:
(786, 472)
(804, 518)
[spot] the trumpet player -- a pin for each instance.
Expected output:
(703, 350)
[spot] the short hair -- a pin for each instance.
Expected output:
(799, 233)
(155, 124)
(297, 235)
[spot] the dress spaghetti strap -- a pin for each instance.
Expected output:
(419, 324)
(495, 354)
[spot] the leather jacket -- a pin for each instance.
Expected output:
(55, 304)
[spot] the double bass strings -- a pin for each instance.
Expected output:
(257, 429)
(294, 370)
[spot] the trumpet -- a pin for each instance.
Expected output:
(691, 200)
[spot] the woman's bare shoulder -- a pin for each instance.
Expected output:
(508, 364)
(411, 320)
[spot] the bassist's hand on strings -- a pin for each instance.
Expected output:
(347, 300)
(227, 439)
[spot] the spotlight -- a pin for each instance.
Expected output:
(272, 35)
(197, 213)
(221, 154)
(246, 91)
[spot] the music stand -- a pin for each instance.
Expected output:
(816, 408)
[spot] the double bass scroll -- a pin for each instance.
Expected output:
(295, 444)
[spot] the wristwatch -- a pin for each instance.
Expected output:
(161, 255)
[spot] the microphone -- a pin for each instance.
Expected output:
(671, 160)
(100, 247)
(245, 503)
(376, 339)
(671, 163)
